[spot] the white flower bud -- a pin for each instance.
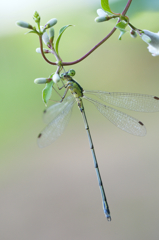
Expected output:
(38, 50)
(51, 34)
(100, 19)
(103, 16)
(133, 34)
(24, 24)
(101, 13)
(50, 23)
(56, 78)
(45, 38)
(40, 80)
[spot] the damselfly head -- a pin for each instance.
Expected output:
(66, 76)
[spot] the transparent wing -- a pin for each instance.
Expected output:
(131, 101)
(56, 127)
(120, 119)
(51, 112)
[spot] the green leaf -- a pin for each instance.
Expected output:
(31, 31)
(121, 26)
(47, 91)
(105, 6)
(59, 36)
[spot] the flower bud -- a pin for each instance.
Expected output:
(100, 19)
(45, 38)
(36, 17)
(41, 80)
(50, 23)
(101, 13)
(56, 78)
(133, 34)
(51, 34)
(38, 50)
(103, 16)
(24, 24)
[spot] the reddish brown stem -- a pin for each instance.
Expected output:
(92, 50)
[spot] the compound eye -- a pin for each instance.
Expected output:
(71, 72)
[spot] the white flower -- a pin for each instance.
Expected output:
(102, 16)
(152, 39)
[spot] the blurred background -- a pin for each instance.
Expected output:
(52, 193)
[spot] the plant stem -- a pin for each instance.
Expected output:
(41, 48)
(127, 7)
(92, 50)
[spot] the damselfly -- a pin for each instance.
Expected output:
(58, 115)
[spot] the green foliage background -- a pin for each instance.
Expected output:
(52, 193)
